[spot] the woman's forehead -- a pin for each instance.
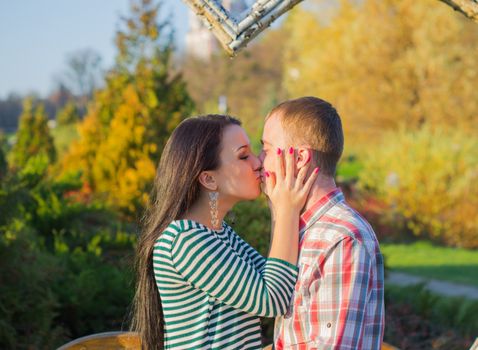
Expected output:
(235, 137)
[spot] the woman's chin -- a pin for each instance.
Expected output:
(251, 196)
(256, 196)
(257, 193)
(252, 193)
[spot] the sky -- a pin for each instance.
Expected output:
(36, 37)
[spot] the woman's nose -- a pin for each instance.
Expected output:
(257, 164)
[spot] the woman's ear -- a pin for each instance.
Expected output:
(207, 180)
(304, 156)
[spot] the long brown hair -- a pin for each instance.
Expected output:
(193, 147)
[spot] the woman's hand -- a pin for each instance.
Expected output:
(285, 189)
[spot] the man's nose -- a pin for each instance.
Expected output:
(262, 156)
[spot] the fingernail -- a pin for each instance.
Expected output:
(316, 170)
(267, 174)
(291, 150)
(279, 151)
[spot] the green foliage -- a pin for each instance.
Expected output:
(64, 265)
(33, 135)
(93, 294)
(427, 178)
(453, 313)
(251, 220)
(63, 137)
(68, 115)
(3, 161)
(47, 297)
(28, 305)
(16, 201)
(431, 261)
(348, 169)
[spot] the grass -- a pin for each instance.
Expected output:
(424, 259)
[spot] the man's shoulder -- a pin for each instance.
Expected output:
(338, 223)
(350, 218)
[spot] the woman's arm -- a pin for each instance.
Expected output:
(213, 266)
(246, 250)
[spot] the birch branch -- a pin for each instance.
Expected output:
(467, 7)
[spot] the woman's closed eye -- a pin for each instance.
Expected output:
(244, 157)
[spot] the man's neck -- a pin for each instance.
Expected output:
(322, 186)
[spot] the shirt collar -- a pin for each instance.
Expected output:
(319, 208)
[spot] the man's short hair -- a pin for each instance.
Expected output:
(315, 123)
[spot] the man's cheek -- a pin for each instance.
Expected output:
(269, 165)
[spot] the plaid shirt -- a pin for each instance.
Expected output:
(338, 299)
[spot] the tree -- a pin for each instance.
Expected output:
(384, 63)
(68, 114)
(130, 119)
(33, 135)
(84, 72)
(3, 158)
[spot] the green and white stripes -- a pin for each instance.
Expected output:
(213, 286)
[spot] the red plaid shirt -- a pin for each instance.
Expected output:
(338, 299)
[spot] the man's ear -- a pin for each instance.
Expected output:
(206, 178)
(304, 156)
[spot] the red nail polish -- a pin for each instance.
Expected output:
(279, 151)
(291, 150)
(267, 174)
(316, 170)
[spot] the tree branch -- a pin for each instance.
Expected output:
(467, 7)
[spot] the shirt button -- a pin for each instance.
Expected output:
(329, 325)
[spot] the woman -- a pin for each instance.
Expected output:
(200, 286)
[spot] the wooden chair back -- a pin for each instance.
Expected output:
(105, 341)
(128, 341)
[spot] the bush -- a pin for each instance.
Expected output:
(3, 163)
(48, 298)
(252, 221)
(417, 319)
(93, 294)
(65, 267)
(427, 179)
(28, 306)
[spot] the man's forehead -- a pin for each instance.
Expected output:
(273, 131)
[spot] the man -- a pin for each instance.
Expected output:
(338, 299)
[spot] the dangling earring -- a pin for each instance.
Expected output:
(213, 199)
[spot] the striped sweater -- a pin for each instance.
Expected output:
(214, 286)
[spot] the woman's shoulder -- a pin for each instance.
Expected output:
(177, 227)
(184, 225)
(186, 229)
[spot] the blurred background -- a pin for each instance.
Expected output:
(90, 92)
